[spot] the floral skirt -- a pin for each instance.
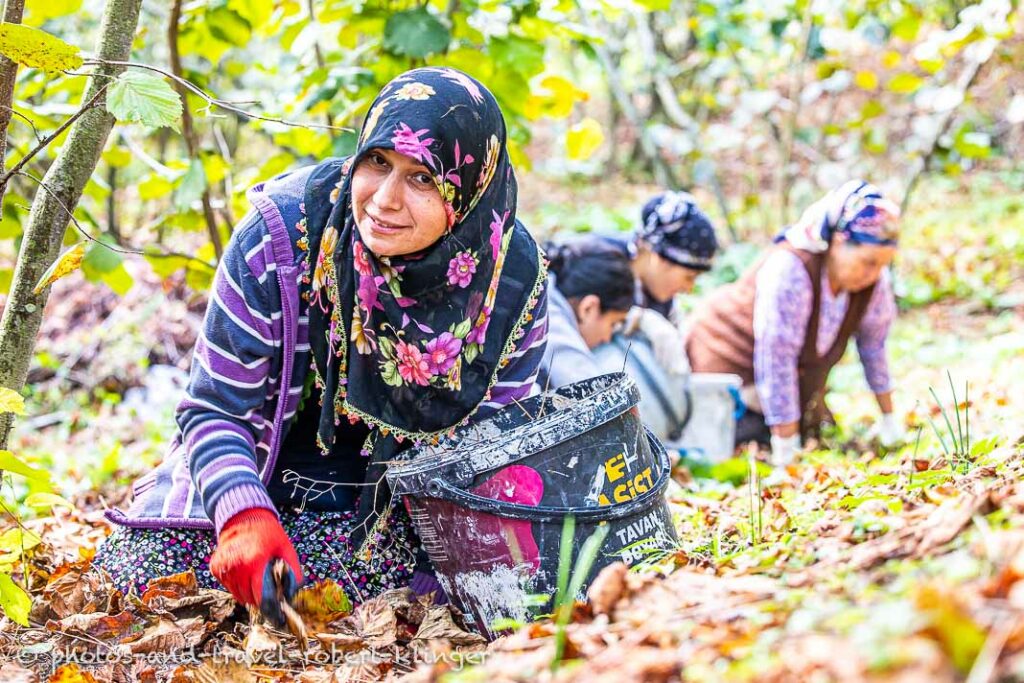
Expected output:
(134, 557)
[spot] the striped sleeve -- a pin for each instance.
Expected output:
(221, 418)
(518, 379)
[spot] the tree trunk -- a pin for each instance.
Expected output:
(49, 217)
(13, 11)
(187, 127)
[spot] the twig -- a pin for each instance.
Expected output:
(15, 112)
(118, 249)
(50, 138)
(210, 99)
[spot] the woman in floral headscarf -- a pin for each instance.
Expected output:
(399, 296)
(786, 323)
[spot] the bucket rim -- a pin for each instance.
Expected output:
(440, 489)
(618, 394)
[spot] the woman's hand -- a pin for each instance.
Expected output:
(246, 549)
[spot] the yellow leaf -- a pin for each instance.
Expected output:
(905, 83)
(10, 463)
(34, 48)
(46, 500)
(891, 59)
(67, 262)
(11, 402)
(866, 80)
(584, 139)
(14, 600)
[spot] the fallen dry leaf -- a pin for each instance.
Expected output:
(99, 625)
(607, 588)
(71, 673)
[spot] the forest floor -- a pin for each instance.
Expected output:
(850, 564)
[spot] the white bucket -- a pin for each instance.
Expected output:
(711, 431)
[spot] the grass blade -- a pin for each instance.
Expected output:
(565, 558)
(945, 416)
(956, 407)
(967, 416)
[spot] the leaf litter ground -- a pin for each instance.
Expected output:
(848, 565)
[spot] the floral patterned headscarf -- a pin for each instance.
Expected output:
(412, 345)
(856, 208)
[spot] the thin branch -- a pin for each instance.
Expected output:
(50, 138)
(15, 112)
(121, 250)
(210, 99)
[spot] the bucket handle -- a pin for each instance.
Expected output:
(439, 488)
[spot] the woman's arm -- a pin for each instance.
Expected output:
(871, 336)
(221, 417)
(782, 308)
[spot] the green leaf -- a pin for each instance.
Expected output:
(139, 97)
(11, 402)
(191, 186)
(14, 600)
(583, 139)
(119, 280)
(34, 48)
(10, 463)
(99, 259)
(227, 26)
(415, 33)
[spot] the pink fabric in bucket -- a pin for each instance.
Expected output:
(514, 484)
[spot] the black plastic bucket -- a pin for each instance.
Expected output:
(489, 505)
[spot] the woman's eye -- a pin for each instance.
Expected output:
(377, 160)
(423, 179)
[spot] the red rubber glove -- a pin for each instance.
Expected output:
(246, 549)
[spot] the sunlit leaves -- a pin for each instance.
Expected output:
(905, 83)
(11, 463)
(14, 600)
(583, 139)
(866, 80)
(66, 263)
(11, 402)
(32, 47)
(415, 33)
(140, 97)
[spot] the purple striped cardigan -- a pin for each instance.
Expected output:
(231, 422)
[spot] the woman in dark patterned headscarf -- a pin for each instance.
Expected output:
(420, 306)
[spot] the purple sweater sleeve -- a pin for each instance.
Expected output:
(872, 334)
(782, 307)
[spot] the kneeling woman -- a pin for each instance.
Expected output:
(786, 323)
(590, 292)
(364, 305)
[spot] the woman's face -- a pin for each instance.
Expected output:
(855, 267)
(661, 278)
(397, 207)
(596, 326)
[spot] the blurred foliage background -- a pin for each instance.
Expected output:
(756, 106)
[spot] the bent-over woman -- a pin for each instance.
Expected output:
(590, 291)
(786, 323)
